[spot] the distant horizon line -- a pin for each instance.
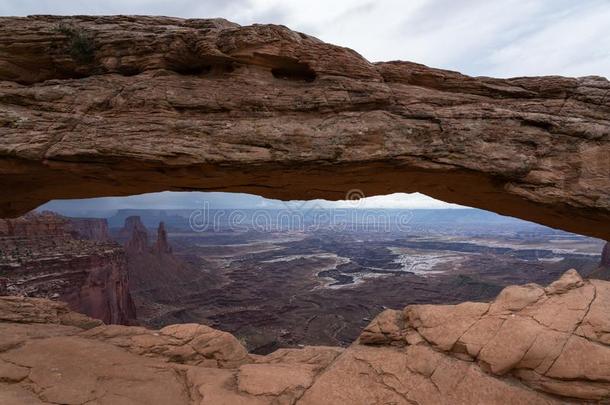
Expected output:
(264, 208)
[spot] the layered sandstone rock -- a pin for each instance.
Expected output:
(95, 106)
(47, 255)
(90, 229)
(532, 345)
(51, 224)
(46, 224)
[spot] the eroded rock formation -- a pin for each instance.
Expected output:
(134, 235)
(47, 255)
(162, 246)
(158, 280)
(95, 106)
(532, 345)
(603, 271)
(605, 260)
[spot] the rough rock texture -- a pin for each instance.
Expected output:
(553, 340)
(532, 345)
(603, 271)
(38, 310)
(123, 105)
(47, 255)
(184, 343)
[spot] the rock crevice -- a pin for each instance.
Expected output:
(69, 259)
(528, 333)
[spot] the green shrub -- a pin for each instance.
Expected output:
(243, 342)
(81, 44)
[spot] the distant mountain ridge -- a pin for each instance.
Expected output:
(179, 218)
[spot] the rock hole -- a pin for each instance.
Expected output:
(547, 126)
(227, 68)
(297, 72)
(129, 70)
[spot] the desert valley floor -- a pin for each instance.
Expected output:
(321, 286)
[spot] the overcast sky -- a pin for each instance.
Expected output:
(214, 200)
(501, 38)
(478, 37)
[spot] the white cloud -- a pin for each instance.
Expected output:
(574, 44)
(477, 37)
(400, 200)
(390, 201)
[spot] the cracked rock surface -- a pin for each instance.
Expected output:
(100, 105)
(552, 340)
(531, 345)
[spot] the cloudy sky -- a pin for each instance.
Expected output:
(214, 200)
(502, 38)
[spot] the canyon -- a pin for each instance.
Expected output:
(96, 272)
(98, 106)
(306, 283)
(73, 260)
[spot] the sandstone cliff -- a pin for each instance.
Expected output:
(90, 229)
(603, 271)
(95, 106)
(532, 345)
(47, 255)
(48, 224)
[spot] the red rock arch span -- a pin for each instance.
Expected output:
(94, 106)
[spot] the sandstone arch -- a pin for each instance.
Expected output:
(93, 106)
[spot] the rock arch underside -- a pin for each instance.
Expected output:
(95, 106)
